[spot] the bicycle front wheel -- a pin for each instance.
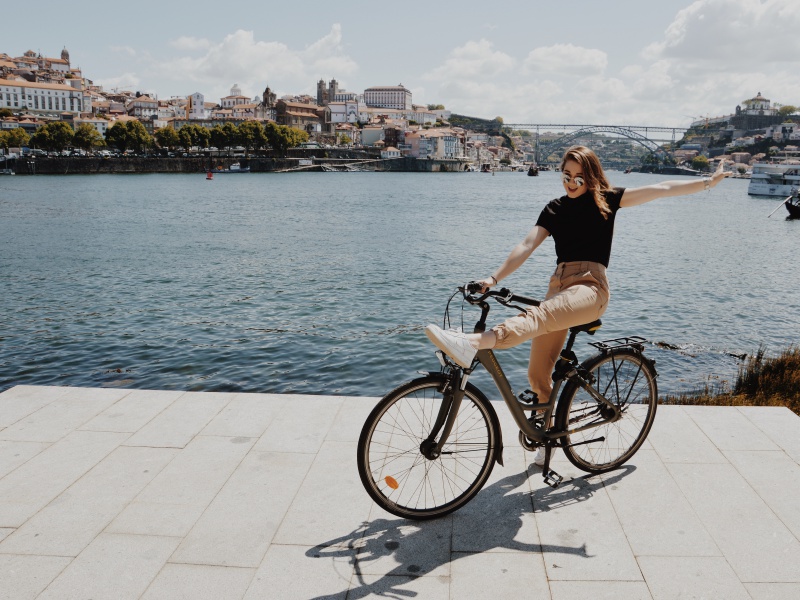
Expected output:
(628, 380)
(399, 477)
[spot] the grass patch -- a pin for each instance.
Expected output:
(761, 382)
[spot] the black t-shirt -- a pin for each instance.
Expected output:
(579, 229)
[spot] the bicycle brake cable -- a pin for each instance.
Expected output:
(446, 318)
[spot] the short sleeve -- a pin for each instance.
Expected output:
(547, 218)
(614, 197)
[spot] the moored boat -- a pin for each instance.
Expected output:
(234, 168)
(793, 206)
(776, 178)
(533, 171)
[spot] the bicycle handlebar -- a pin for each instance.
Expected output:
(503, 295)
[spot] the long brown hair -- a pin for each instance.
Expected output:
(593, 175)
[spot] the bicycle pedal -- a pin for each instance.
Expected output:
(528, 397)
(552, 479)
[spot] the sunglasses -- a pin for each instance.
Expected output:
(577, 179)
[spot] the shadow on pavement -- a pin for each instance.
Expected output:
(490, 521)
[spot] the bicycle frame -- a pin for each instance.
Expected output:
(567, 368)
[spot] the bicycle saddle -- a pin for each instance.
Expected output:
(589, 328)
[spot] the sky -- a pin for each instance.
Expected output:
(609, 62)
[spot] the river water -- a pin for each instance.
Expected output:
(321, 283)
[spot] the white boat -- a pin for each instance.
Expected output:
(234, 168)
(775, 179)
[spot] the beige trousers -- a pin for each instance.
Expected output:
(578, 294)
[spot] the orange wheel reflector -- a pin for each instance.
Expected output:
(391, 482)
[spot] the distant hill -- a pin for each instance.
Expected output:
(490, 126)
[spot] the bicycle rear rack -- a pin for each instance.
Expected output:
(633, 341)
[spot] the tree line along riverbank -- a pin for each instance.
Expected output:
(299, 160)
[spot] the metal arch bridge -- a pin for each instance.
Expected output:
(651, 137)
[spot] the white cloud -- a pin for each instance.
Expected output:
(124, 50)
(748, 31)
(472, 60)
(254, 64)
(190, 43)
(566, 59)
(125, 81)
(712, 56)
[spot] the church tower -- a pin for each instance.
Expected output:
(65, 55)
(269, 98)
(322, 93)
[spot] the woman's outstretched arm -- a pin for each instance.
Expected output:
(647, 193)
(518, 255)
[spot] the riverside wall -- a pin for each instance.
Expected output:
(321, 160)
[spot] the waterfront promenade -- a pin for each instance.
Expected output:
(116, 493)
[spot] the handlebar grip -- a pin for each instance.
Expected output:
(473, 286)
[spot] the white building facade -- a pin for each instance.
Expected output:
(40, 98)
(197, 106)
(391, 96)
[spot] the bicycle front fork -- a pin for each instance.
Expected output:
(452, 395)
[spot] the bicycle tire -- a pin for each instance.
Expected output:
(627, 379)
(396, 474)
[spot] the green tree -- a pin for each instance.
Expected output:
(185, 137)
(139, 138)
(5, 112)
(345, 140)
(231, 135)
(700, 163)
(194, 135)
(786, 110)
(130, 135)
(435, 106)
(252, 135)
(117, 136)
(87, 137)
(53, 136)
(218, 137)
(281, 137)
(14, 138)
(167, 137)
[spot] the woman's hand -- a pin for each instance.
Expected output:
(718, 175)
(487, 283)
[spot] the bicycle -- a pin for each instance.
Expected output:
(429, 445)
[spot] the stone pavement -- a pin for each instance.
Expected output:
(111, 493)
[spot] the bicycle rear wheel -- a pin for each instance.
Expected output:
(628, 380)
(397, 475)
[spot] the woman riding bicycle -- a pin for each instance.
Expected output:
(582, 225)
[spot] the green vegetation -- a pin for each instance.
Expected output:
(5, 112)
(53, 136)
(282, 137)
(761, 382)
(489, 126)
(700, 163)
(87, 137)
(167, 137)
(14, 138)
(435, 106)
(130, 135)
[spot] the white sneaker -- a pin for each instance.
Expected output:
(538, 458)
(453, 343)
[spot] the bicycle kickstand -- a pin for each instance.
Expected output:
(551, 478)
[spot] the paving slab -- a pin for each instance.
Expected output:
(161, 494)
